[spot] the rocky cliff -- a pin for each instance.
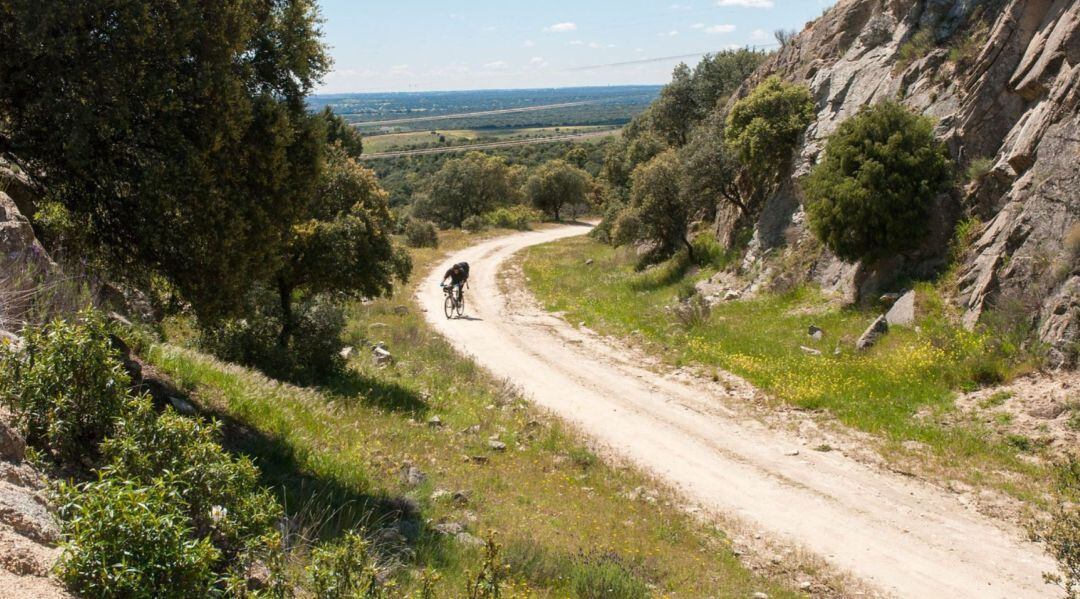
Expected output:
(1002, 78)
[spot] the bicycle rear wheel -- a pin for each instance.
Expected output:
(448, 306)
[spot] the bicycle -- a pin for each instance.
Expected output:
(455, 302)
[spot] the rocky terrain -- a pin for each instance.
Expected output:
(1002, 79)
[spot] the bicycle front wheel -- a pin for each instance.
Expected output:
(448, 307)
(461, 305)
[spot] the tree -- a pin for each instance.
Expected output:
(675, 111)
(871, 195)
(577, 156)
(764, 129)
(469, 186)
(338, 130)
(663, 211)
(719, 75)
(176, 129)
(343, 244)
(710, 167)
(555, 184)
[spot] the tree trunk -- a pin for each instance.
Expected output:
(287, 324)
(689, 248)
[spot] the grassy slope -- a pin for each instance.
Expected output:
(900, 390)
(567, 520)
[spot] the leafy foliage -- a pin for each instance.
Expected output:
(339, 131)
(344, 245)
(124, 539)
(1061, 532)
(312, 354)
(764, 129)
(66, 387)
(176, 129)
(219, 494)
(872, 193)
(663, 211)
(518, 217)
(469, 186)
(710, 167)
(556, 184)
(344, 570)
(674, 112)
(421, 233)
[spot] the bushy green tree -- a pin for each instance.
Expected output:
(339, 131)
(577, 156)
(710, 167)
(663, 211)
(764, 128)
(343, 245)
(635, 147)
(872, 193)
(675, 111)
(175, 128)
(556, 184)
(469, 186)
(718, 75)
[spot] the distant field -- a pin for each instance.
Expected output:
(489, 109)
(436, 138)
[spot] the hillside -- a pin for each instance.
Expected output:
(1002, 80)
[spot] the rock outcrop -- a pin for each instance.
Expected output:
(1002, 79)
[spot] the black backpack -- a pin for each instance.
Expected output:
(464, 266)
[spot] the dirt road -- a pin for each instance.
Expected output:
(895, 533)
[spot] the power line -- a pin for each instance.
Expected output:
(660, 59)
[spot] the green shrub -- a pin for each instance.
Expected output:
(979, 169)
(221, 495)
(871, 196)
(66, 387)
(606, 577)
(474, 224)
(709, 253)
(312, 354)
(133, 541)
(916, 47)
(421, 234)
(518, 217)
(344, 570)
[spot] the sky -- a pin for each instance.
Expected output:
(425, 45)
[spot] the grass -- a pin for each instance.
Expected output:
(569, 524)
(900, 390)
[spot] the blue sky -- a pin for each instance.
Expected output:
(420, 45)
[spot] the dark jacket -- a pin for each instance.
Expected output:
(460, 276)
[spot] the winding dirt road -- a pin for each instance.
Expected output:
(895, 533)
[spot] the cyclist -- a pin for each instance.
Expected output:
(459, 276)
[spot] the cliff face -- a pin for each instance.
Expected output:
(1002, 78)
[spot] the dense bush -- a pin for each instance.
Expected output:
(872, 194)
(764, 129)
(474, 223)
(66, 387)
(421, 234)
(344, 570)
(132, 540)
(518, 217)
(312, 353)
(220, 495)
(1061, 532)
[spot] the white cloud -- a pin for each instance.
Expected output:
(594, 45)
(720, 29)
(528, 44)
(498, 65)
(746, 3)
(561, 27)
(671, 33)
(577, 43)
(698, 26)
(639, 50)
(759, 34)
(680, 7)
(538, 61)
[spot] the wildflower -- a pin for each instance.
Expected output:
(218, 513)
